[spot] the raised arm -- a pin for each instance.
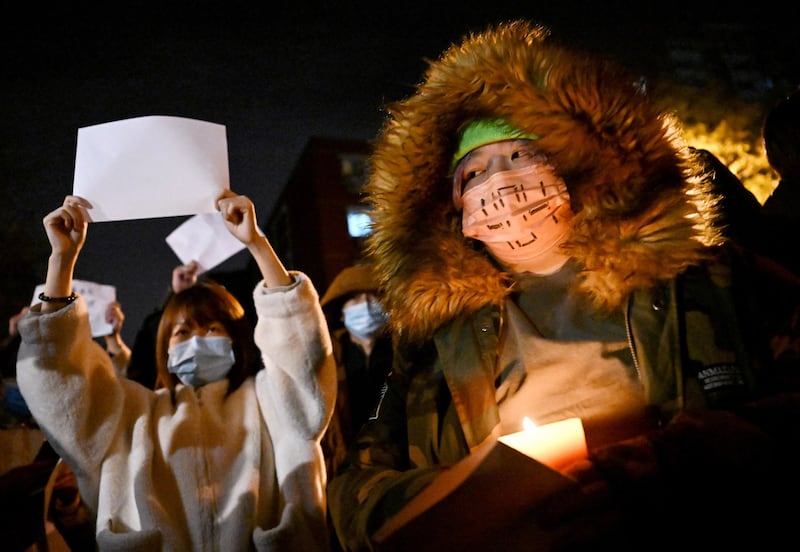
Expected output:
(240, 218)
(66, 229)
(116, 347)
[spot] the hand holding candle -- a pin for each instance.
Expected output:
(557, 445)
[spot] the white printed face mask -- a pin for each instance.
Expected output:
(521, 215)
(201, 360)
(364, 320)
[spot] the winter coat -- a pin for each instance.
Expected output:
(203, 469)
(645, 232)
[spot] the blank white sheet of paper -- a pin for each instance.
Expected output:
(150, 167)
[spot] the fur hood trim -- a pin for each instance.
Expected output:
(641, 213)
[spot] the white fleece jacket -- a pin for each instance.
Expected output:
(208, 471)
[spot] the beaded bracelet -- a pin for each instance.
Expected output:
(47, 299)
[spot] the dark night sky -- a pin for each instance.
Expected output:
(274, 77)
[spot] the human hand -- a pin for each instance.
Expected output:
(615, 487)
(184, 276)
(120, 353)
(584, 516)
(240, 219)
(239, 215)
(66, 226)
(115, 317)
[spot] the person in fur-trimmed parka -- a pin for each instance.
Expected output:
(618, 302)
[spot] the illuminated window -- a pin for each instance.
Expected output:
(359, 222)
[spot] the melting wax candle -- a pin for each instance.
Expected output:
(557, 444)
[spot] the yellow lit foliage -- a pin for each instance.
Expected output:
(730, 128)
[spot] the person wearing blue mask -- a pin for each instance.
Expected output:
(203, 338)
(364, 318)
(363, 351)
(226, 452)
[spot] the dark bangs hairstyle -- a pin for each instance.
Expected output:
(206, 302)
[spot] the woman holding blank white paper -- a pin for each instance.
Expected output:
(224, 455)
(547, 248)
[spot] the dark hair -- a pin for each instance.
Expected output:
(206, 302)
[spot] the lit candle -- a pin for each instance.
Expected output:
(557, 445)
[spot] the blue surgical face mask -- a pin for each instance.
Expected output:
(201, 360)
(364, 320)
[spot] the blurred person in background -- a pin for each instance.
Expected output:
(781, 210)
(363, 350)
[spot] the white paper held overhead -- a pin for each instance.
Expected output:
(204, 238)
(150, 167)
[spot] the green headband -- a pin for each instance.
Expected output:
(480, 132)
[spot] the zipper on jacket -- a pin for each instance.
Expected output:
(629, 336)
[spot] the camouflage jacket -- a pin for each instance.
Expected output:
(685, 335)
(646, 232)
